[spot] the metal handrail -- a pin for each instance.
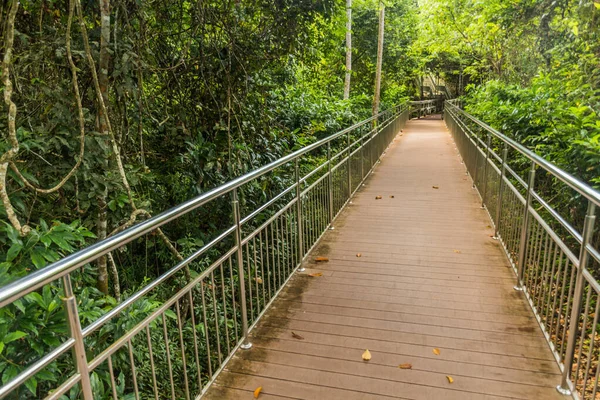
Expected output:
(73, 261)
(294, 229)
(554, 279)
(580, 186)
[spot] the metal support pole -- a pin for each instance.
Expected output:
(485, 169)
(476, 149)
(362, 157)
(588, 229)
(70, 303)
(299, 217)
(524, 227)
(330, 185)
(240, 262)
(500, 192)
(349, 167)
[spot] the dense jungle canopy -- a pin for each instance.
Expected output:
(116, 110)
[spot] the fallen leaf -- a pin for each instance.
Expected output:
(378, 197)
(435, 187)
(450, 379)
(436, 351)
(296, 336)
(405, 366)
(392, 196)
(366, 355)
(257, 392)
(321, 259)
(457, 251)
(258, 280)
(316, 274)
(358, 255)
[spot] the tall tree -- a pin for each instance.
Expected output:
(348, 49)
(379, 58)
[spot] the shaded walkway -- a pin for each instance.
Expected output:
(429, 276)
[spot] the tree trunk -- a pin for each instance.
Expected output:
(103, 61)
(379, 59)
(348, 49)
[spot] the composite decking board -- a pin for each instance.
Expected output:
(429, 276)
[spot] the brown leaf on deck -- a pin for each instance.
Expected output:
(366, 355)
(405, 366)
(378, 197)
(316, 274)
(436, 351)
(321, 259)
(435, 187)
(257, 392)
(296, 336)
(450, 379)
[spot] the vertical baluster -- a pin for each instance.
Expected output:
(193, 318)
(152, 367)
(235, 322)
(182, 345)
(113, 384)
(588, 229)
(330, 184)
(299, 216)
(225, 314)
(485, 170)
(524, 228)
(216, 316)
(240, 260)
(133, 372)
(168, 349)
(349, 164)
(80, 358)
(500, 192)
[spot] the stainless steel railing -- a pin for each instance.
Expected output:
(553, 248)
(173, 347)
(423, 108)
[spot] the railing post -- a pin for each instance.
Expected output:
(485, 169)
(330, 185)
(362, 157)
(500, 192)
(588, 229)
(299, 217)
(524, 227)
(79, 354)
(240, 261)
(349, 167)
(476, 149)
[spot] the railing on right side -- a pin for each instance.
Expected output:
(544, 218)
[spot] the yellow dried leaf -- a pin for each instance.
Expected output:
(296, 336)
(321, 259)
(366, 355)
(450, 379)
(378, 197)
(257, 392)
(316, 274)
(436, 351)
(457, 251)
(358, 255)
(258, 280)
(405, 366)
(435, 187)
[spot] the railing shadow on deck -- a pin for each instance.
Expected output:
(174, 346)
(553, 249)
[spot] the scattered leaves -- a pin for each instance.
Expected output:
(321, 259)
(436, 351)
(316, 274)
(366, 355)
(435, 187)
(257, 392)
(378, 197)
(405, 366)
(457, 251)
(358, 255)
(450, 379)
(296, 336)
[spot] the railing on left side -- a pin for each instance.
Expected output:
(552, 247)
(172, 336)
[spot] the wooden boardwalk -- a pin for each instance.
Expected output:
(430, 276)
